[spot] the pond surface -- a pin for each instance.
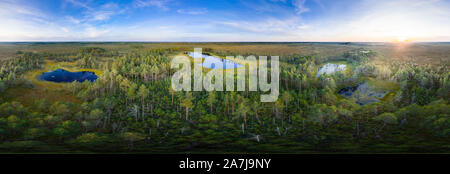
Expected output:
(331, 68)
(214, 62)
(63, 76)
(363, 93)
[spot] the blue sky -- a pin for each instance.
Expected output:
(221, 20)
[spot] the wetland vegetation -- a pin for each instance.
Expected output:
(381, 101)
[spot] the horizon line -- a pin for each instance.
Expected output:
(222, 42)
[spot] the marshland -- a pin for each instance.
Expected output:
(334, 98)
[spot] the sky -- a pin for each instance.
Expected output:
(225, 20)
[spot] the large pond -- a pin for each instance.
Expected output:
(363, 93)
(214, 62)
(330, 68)
(63, 76)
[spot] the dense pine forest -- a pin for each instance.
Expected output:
(132, 108)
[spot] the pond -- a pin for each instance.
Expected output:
(363, 93)
(214, 62)
(331, 68)
(63, 76)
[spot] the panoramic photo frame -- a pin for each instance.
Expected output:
(225, 86)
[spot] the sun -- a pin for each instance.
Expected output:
(402, 39)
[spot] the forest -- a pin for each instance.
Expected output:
(132, 108)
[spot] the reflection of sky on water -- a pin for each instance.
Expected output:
(363, 93)
(61, 75)
(213, 62)
(330, 68)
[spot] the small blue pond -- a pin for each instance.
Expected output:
(363, 93)
(64, 76)
(214, 62)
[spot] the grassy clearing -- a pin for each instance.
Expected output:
(44, 89)
(382, 84)
(50, 66)
(27, 96)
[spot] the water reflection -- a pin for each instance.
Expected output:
(214, 62)
(363, 93)
(63, 76)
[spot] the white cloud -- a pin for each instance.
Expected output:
(22, 22)
(65, 29)
(93, 32)
(300, 6)
(388, 20)
(284, 1)
(11, 8)
(101, 15)
(273, 26)
(79, 4)
(193, 11)
(110, 6)
(161, 4)
(302, 27)
(73, 20)
(374, 20)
